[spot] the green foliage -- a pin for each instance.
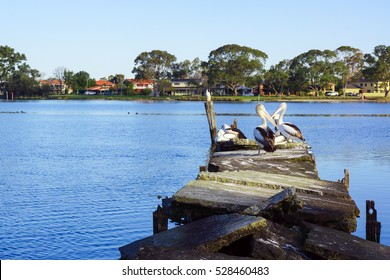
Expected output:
(10, 61)
(155, 65)
(16, 76)
(146, 91)
(378, 66)
(187, 69)
(277, 76)
(233, 65)
(79, 81)
(313, 70)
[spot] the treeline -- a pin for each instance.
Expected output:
(227, 67)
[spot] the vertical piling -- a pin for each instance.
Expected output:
(373, 227)
(346, 178)
(209, 106)
(160, 220)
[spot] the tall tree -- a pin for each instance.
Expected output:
(10, 61)
(277, 76)
(349, 64)
(233, 65)
(16, 76)
(155, 65)
(314, 68)
(187, 69)
(377, 66)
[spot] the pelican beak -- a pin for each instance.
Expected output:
(271, 120)
(276, 112)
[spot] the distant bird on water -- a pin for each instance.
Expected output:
(288, 130)
(264, 136)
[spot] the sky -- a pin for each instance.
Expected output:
(104, 37)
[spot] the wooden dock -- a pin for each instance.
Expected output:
(250, 206)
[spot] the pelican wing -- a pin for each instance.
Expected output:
(293, 130)
(240, 134)
(265, 137)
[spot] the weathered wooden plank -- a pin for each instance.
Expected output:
(281, 198)
(333, 244)
(229, 197)
(209, 234)
(298, 154)
(256, 163)
(278, 181)
(278, 242)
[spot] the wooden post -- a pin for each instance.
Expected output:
(209, 106)
(346, 178)
(373, 227)
(160, 220)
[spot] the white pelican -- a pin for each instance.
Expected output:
(227, 133)
(264, 136)
(288, 130)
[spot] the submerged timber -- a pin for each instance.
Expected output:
(246, 206)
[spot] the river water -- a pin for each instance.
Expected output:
(78, 179)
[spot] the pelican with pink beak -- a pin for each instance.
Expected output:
(264, 136)
(289, 130)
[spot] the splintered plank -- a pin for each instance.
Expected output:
(209, 234)
(278, 181)
(333, 244)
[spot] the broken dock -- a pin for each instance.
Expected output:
(246, 206)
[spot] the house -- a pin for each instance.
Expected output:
(186, 87)
(330, 87)
(367, 87)
(140, 84)
(101, 87)
(56, 86)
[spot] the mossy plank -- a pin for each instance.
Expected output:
(278, 181)
(255, 163)
(228, 197)
(333, 244)
(209, 234)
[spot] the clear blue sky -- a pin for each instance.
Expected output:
(104, 37)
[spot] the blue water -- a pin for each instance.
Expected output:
(78, 179)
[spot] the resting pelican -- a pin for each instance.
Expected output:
(264, 136)
(288, 130)
(227, 133)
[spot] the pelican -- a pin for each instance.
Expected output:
(288, 130)
(227, 133)
(264, 136)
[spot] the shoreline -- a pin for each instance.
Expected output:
(236, 99)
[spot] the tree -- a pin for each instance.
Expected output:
(59, 74)
(313, 70)
(234, 65)
(349, 64)
(16, 76)
(187, 69)
(377, 66)
(155, 65)
(10, 61)
(118, 80)
(277, 76)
